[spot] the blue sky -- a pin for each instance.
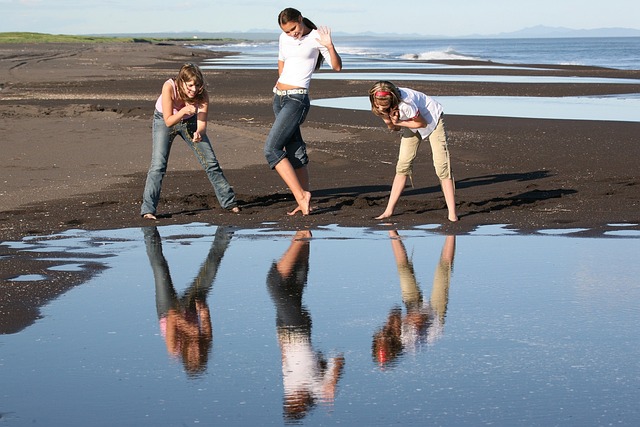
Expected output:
(446, 18)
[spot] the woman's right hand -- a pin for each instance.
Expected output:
(188, 110)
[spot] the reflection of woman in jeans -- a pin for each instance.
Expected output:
(301, 48)
(185, 322)
(424, 320)
(307, 376)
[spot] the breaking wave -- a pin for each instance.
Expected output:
(438, 55)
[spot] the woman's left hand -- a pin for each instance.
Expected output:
(197, 137)
(394, 116)
(325, 36)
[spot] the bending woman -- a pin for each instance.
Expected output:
(420, 117)
(182, 109)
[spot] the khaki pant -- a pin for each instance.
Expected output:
(409, 144)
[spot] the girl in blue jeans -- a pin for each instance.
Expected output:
(182, 109)
(302, 46)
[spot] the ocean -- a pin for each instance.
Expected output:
(360, 52)
(395, 58)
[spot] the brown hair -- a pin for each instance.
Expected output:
(190, 72)
(387, 341)
(290, 14)
(385, 94)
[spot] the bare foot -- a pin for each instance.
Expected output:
(295, 211)
(304, 207)
(302, 234)
(383, 216)
(454, 218)
(234, 209)
(298, 209)
(149, 216)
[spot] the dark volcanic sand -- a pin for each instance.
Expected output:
(76, 145)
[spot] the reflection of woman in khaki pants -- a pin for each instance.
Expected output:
(424, 320)
(420, 117)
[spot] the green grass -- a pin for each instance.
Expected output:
(57, 38)
(20, 37)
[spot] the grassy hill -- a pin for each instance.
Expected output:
(24, 37)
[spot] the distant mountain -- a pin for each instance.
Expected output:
(541, 31)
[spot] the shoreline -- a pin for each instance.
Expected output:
(85, 111)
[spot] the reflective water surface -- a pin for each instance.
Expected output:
(207, 325)
(624, 108)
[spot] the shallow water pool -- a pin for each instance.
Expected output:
(206, 325)
(622, 108)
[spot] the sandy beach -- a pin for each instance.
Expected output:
(260, 318)
(76, 126)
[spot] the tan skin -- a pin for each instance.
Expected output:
(391, 119)
(298, 179)
(288, 260)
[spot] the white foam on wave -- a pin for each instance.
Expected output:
(359, 51)
(438, 55)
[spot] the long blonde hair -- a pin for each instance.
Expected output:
(384, 94)
(190, 72)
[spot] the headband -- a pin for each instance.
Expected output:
(382, 93)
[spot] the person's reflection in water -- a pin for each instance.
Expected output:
(307, 376)
(185, 322)
(424, 320)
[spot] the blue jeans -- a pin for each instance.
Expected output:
(166, 295)
(163, 137)
(285, 139)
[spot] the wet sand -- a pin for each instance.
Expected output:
(76, 126)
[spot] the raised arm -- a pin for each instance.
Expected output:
(325, 40)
